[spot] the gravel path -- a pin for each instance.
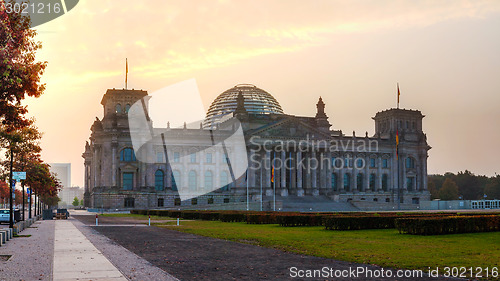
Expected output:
(193, 257)
(31, 256)
(131, 265)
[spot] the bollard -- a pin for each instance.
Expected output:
(177, 221)
(96, 220)
(149, 223)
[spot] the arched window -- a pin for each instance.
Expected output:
(359, 181)
(209, 180)
(334, 181)
(192, 180)
(176, 180)
(224, 182)
(127, 155)
(372, 181)
(410, 163)
(385, 182)
(347, 182)
(118, 108)
(159, 180)
(127, 108)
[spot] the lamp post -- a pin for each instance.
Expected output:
(11, 189)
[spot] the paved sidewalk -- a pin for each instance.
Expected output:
(31, 254)
(75, 258)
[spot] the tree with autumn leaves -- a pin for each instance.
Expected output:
(20, 76)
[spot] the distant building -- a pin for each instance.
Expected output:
(63, 172)
(68, 194)
(359, 168)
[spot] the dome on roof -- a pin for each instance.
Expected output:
(257, 101)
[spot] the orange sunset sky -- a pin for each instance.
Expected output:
(444, 54)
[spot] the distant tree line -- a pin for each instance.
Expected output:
(464, 185)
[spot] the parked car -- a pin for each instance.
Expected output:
(5, 215)
(63, 211)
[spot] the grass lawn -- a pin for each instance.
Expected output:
(384, 247)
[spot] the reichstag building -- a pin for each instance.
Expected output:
(286, 158)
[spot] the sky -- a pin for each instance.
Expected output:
(443, 54)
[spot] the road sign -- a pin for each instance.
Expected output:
(19, 175)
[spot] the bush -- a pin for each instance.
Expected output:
(232, 217)
(448, 225)
(209, 216)
(300, 220)
(261, 218)
(357, 222)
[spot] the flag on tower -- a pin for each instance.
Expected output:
(398, 95)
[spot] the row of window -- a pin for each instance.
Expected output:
(410, 182)
(128, 155)
(348, 162)
(118, 108)
(359, 181)
(129, 202)
(128, 180)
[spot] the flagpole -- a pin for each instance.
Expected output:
(261, 195)
(274, 195)
(274, 184)
(247, 188)
(126, 72)
(398, 95)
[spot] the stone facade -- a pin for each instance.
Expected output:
(287, 156)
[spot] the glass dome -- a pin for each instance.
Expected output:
(257, 101)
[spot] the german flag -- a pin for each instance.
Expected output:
(397, 143)
(272, 174)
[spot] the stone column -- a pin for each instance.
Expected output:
(201, 170)
(293, 169)
(314, 174)
(268, 167)
(378, 185)
(342, 174)
(354, 180)
(403, 169)
(300, 190)
(113, 163)
(367, 173)
(218, 171)
(251, 168)
(284, 188)
(424, 171)
(328, 170)
(394, 171)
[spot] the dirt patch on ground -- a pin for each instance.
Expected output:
(192, 257)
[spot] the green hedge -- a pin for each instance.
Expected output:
(357, 223)
(261, 218)
(300, 220)
(448, 225)
(232, 217)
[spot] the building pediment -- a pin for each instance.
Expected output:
(289, 127)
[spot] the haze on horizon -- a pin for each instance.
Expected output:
(444, 54)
